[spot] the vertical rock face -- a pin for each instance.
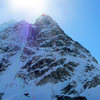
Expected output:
(42, 54)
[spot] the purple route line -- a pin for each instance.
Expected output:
(42, 14)
(54, 57)
(56, 47)
(33, 93)
(33, 90)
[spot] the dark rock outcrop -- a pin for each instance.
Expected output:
(1, 94)
(70, 98)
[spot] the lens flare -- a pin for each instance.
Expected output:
(28, 6)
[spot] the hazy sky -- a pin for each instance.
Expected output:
(80, 19)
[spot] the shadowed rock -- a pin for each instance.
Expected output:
(70, 98)
(1, 94)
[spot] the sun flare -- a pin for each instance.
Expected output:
(29, 6)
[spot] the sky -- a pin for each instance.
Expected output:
(80, 19)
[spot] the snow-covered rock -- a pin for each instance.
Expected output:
(40, 61)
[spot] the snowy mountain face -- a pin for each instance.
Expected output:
(39, 61)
